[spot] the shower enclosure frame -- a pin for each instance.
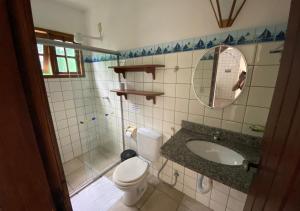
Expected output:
(75, 46)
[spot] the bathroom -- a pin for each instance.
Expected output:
(135, 112)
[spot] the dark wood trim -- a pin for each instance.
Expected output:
(23, 181)
(276, 186)
(36, 98)
(147, 68)
(50, 34)
(148, 95)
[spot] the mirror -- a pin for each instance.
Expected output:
(220, 76)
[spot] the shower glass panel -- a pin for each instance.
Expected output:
(86, 117)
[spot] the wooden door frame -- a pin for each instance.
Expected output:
(277, 184)
(22, 28)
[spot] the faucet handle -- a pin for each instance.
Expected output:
(216, 135)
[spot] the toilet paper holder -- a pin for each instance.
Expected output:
(131, 131)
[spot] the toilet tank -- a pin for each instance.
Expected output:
(148, 143)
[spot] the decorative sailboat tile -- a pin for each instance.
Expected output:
(187, 45)
(245, 36)
(212, 41)
(158, 49)
(265, 34)
(280, 32)
(228, 38)
(199, 43)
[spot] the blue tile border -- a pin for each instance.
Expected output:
(239, 37)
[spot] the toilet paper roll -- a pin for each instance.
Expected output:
(130, 132)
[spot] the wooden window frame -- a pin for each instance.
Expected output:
(50, 54)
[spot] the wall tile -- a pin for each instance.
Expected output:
(263, 55)
(184, 76)
(185, 59)
(171, 61)
(256, 115)
(234, 113)
(170, 76)
(219, 197)
(182, 90)
(233, 126)
(265, 76)
(213, 122)
(169, 90)
(181, 105)
(260, 96)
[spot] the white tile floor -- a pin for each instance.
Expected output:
(102, 195)
(83, 169)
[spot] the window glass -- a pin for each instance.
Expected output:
(59, 51)
(70, 52)
(62, 65)
(40, 48)
(72, 65)
(42, 61)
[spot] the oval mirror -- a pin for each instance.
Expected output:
(220, 76)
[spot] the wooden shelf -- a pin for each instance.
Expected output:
(148, 68)
(149, 95)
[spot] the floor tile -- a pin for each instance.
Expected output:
(80, 177)
(183, 208)
(159, 201)
(170, 191)
(193, 205)
(101, 195)
(120, 206)
(72, 165)
(146, 196)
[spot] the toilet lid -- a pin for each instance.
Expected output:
(131, 170)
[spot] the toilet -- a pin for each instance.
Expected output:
(131, 175)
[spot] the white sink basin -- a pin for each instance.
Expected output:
(215, 152)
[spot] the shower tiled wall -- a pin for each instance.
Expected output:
(83, 117)
(179, 103)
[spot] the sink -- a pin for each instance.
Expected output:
(215, 152)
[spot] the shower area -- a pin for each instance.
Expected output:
(87, 117)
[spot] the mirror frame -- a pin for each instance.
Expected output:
(194, 70)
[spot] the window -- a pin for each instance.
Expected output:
(59, 62)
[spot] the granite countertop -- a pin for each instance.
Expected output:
(237, 177)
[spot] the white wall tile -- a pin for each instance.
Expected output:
(185, 59)
(171, 61)
(234, 113)
(219, 197)
(260, 96)
(195, 107)
(212, 122)
(265, 75)
(182, 90)
(181, 105)
(256, 115)
(169, 90)
(184, 76)
(233, 126)
(170, 76)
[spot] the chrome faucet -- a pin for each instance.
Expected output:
(216, 136)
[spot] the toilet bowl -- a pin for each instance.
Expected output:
(131, 177)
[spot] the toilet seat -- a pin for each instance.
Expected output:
(130, 172)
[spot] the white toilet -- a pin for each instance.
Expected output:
(131, 175)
